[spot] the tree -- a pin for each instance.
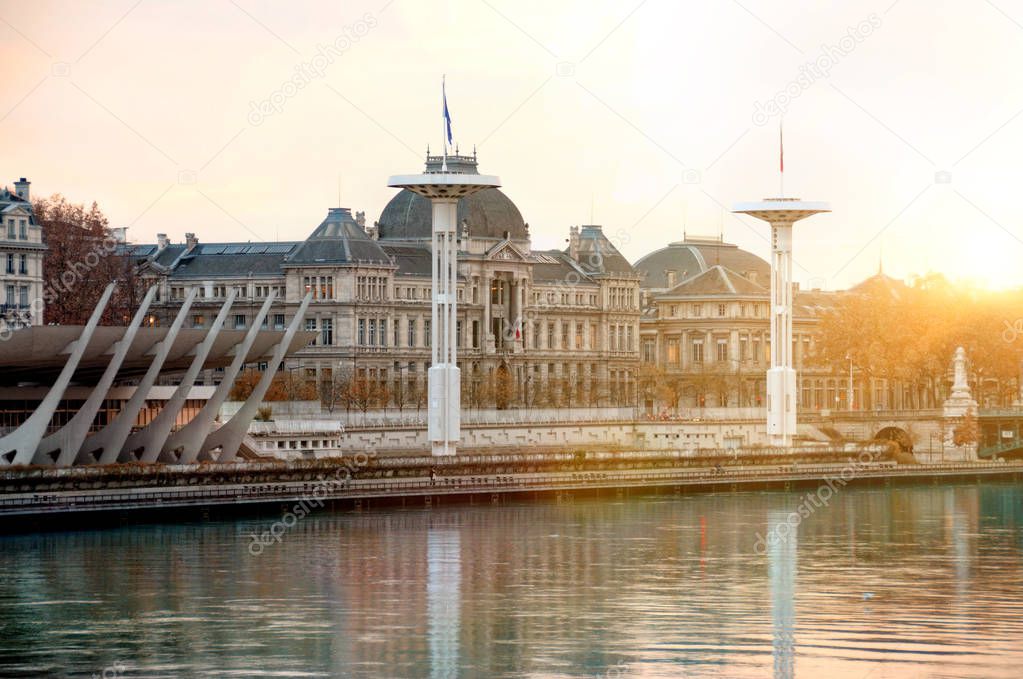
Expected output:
(244, 385)
(81, 259)
(967, 432)
(332, 389)
(287, 386)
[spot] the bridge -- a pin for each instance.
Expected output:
(928, 433)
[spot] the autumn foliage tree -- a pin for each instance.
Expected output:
(81, 259)
(910, 332)
(286, 386)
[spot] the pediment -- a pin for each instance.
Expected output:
(505, 251)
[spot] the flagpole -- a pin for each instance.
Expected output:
(781, 157)
(444, 121)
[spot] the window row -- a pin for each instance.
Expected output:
(17, 229)
(17, 264)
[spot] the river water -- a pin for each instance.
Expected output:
(916, 581)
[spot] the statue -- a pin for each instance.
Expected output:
(960, 387)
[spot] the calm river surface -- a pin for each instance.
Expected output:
(901, 582)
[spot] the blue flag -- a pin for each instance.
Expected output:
(447, 114)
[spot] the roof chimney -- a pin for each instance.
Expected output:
(162, 241)
(190, 241)
(21, 188)
(573, 242)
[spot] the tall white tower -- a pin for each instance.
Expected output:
(444, 189)
(781, 214)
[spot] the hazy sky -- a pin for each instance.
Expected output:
(905, 115)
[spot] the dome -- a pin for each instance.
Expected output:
(681, 260)
(490, 214)
(339, 239)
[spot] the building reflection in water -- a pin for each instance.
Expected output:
(443, 584)
(781, 566)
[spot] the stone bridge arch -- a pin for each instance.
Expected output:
(896, 434)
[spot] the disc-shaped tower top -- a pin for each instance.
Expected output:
(444, 184)
(782, 209)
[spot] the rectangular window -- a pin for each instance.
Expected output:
(411, 332)
(697, 351)
(648, 351)
(278, 321)
(239, 321)
(10, 295)
(396, 339)
(697, 310)
(383, 332)
(24, 296)
(362, 332)
(10, 229)
(23, 229)
(427, 340)
(372, 332)
(628, 336)
(721, 310)
(674, 355)
(198, 321)
(578, 335)
(327, 332)
(550, 336)
(475, 334)
(722, 351)
(564, 335)
(10, 263)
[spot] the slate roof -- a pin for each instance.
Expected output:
(411, 261)
(552, 266)
(9, 200)
(338, 240)
(214, 260)
(716, 281)
(693, 256)
(597, 255)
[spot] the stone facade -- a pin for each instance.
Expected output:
(547, 326)
(21, 260)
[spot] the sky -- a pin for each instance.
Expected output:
(647, 117)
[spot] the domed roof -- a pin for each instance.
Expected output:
(490, 214)
(684, 259)
(338, 239)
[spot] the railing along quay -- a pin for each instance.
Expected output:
(147, 498)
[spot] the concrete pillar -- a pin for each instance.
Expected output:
(185, 443)
(61, 447)
(109, 441)
(146, 445)
(230, 435)
(20, 445)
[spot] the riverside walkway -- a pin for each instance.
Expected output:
(343, 492)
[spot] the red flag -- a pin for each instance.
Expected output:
(781, 147)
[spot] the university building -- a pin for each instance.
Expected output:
(534, 327)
